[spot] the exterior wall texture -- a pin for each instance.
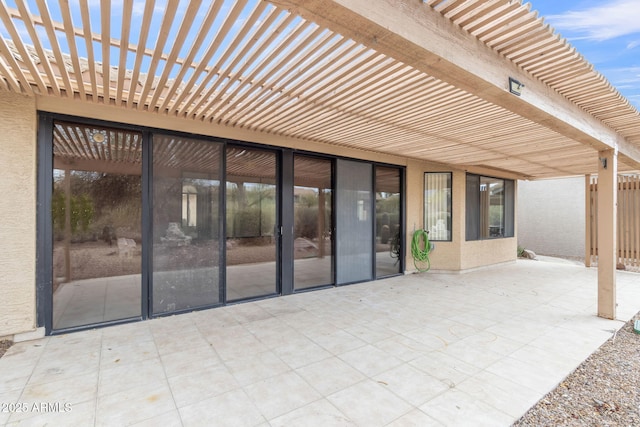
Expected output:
(18, 126)
(551, 214)
(18, 213)
(458, 254)
(480, 253)
(446, 255)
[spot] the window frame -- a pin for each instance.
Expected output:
(473, 208)
(449, 224)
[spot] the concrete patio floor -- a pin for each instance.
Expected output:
(426, 349)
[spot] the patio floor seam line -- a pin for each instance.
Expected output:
(30, 376)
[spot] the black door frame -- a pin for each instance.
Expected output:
(284, 217)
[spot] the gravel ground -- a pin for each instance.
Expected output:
(602, 391)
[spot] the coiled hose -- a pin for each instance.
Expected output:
(420, 248)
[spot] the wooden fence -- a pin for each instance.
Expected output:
(628, 220)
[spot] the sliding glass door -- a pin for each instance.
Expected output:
(145, 223)
(251, 223)
(186, 223)
(313, 223)
(96, 213)
(388, 221)
(354, 222)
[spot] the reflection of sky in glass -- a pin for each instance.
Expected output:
(58, 175)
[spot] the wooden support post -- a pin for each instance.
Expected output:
(607, 229)
(587, 221)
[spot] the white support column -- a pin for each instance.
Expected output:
(607, 229)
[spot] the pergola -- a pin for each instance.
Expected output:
(427, 80)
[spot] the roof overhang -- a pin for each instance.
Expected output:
(424, 80)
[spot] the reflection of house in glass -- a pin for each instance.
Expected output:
(189, 158)
(189, 206)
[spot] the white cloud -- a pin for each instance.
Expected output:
(613, 19)
(633, 44)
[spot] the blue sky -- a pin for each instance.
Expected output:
(605, 32)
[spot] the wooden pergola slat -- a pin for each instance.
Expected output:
(127, 12)
(170, 102)
(139, 53)
(194, 91)
(163, 35)
(201, 108)
(73, 51)
(258, 66)
(86, 23)
(22, 49)
(19, 83)
(178, 42)
(105, 29)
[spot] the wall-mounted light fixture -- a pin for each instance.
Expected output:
(515, 87)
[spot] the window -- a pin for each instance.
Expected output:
(490, 207)
(437, 205)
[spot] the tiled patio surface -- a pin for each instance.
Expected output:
(425, 350)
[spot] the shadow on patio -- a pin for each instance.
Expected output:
(422, 349)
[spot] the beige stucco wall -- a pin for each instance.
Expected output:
(445, 255)
(18, 125)
(18, 213)
(481, 253)
(458, 254)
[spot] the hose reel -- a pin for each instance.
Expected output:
(420, 249)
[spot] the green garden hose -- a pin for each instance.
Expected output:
(420, 248)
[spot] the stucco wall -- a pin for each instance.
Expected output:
(480, 253)
(18, 124)
(445, 257)
(551, 216)
(458, 254)
(17, 210)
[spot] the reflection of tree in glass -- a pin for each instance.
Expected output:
(97, 200)
(81, 211)
(250, 209)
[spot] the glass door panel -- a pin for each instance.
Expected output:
(313, 257)
(251, 222)
(186, 242)
(354, 222)
(96, 210)
(388, 220)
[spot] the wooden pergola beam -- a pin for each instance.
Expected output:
(419, 36)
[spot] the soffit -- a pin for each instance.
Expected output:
(253, 65)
